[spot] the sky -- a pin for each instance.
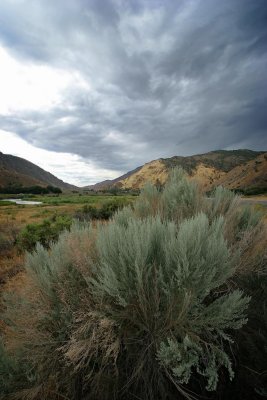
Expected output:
(90, 89)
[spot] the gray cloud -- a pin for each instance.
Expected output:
(165, 79)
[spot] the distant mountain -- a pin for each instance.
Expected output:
(18, 171)
(209, 169)
(111, 182)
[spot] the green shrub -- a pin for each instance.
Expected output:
(148, 306)
(18, 189)
(7, 203)
(104, 212)
(255, 190)
(252, 191)
(45, 233)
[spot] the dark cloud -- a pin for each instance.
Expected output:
(164, 78)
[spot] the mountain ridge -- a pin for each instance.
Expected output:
(234, 169)
(19, 171)
(209, 169)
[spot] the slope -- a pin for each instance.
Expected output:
(250, 175)
(18, 171)
(208, 169)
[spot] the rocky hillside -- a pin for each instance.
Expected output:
(209, 169)
(252, 174)
(18, 171)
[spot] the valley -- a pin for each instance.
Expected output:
(244, 171)
(30, 215)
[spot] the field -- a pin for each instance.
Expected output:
(14, 217)
(62, 204)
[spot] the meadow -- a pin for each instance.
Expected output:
(15, 217)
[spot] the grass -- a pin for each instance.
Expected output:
(263, 210)
(65, 204)
(6, 203)
(77, 199)
(12, 214)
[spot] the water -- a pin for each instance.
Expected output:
(19, 201)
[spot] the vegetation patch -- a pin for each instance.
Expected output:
(165, 301)
(252, 191)
(17, 189)
(103, 212)
(224, 160)
(6, 203)
(44, 233)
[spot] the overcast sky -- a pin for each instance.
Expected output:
(90, 89)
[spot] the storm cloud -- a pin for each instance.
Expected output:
(149, 79)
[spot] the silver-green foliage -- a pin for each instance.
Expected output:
(182, 265)
(43, 319)
(182, 357)
(139, 303)
(180, 198)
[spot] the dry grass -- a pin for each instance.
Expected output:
(13, 219)
(23, 215)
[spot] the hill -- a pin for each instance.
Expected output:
(111, 182)
(249, 176)
(209, 169)
(16, 171)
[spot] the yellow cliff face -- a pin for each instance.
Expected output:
(154, 172)
(253, 173)
(248, 174)
(230, 168)
(206, 176)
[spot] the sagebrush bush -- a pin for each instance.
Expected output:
(147, 306)
(8, 237)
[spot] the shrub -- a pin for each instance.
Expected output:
(46, 232)
(52, 297)
(6, 203)
(251, 191)
(8, 237)
(17, 189)
(154, 288)
(147, 306)
(251, 346)
(53, 189)
(176, 202)
(255, 190)
(104, 212)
